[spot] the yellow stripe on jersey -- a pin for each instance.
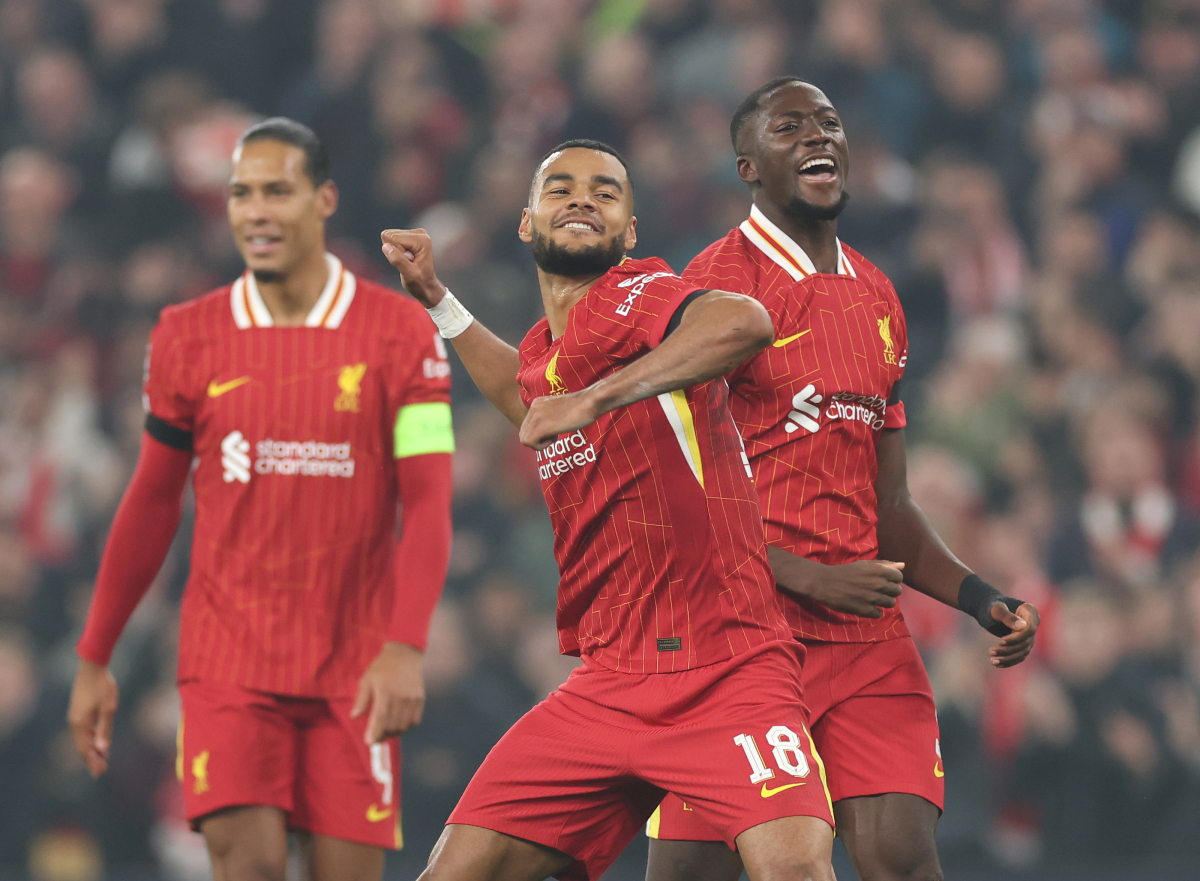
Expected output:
(424, 428)
(679, 414)
(179, 748)
(820, 769)
(654, 822)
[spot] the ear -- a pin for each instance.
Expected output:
(327, 199)
(631, 234)
(746, 170)
(525, 228)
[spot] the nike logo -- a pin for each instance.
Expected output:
(937, 769)
(767, 793)
(215, 389)
(374, 814)
(779, 344)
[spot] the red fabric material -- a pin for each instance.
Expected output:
(811, 408)
(305, 756)
(582, 771)
(292, 585)
(663, 567)
(423, 552)
(141, 535)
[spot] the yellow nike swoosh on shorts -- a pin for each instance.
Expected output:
(937, 771)
(215, 389)
(767, 793)
(783, 342)
(374, 814)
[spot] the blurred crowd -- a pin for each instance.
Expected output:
(1026, 171)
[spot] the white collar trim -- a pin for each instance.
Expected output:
(249, 310)
(782, 250)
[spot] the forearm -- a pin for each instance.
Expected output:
(423, 551)
(906, 536)
(799, 575)
(138, 542)
(718, 332)
(493, 366)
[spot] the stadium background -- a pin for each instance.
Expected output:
(1027, 172)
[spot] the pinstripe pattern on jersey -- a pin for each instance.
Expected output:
(816, 489)
(291, 579)
(647, 550)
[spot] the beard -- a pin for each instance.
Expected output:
(268, 276)
(806, 212)
(557, 259)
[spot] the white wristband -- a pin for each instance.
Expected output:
(450, 316)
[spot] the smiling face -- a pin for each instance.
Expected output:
(794, 152)
(277, 215)
(580, 216)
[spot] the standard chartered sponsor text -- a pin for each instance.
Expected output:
(564, 454)
(307, 458)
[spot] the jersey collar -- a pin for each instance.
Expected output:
(780, 248)
(249, 310)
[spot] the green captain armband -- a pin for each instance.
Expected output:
(424, 428)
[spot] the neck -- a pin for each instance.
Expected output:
(559, 294)
(292, 297)
(818, 238)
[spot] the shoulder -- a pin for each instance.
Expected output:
(865, 269)
(727, 264)
(390, 311)
(196, 317)
(536, 341)
(620, 281)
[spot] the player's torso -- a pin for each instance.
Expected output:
(811, 408)
(292, 442)
(655, 517)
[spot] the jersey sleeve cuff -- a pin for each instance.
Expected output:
(659, 329)
(894, 416)
(166, 433)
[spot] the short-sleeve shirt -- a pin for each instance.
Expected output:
(295, 435)
(657, 531)
(812, 406)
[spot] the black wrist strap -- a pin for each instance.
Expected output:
(976, 597)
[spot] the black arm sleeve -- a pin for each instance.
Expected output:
(166, 433)
(673, 324)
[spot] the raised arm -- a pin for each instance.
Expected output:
(718, 331)
(491, 362)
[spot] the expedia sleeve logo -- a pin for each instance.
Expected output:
(638, 284)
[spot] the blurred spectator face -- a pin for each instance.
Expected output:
(18, 682)
(347, 31)
(580, 217)
(1076, 245)
(276, 213)
(619, 74)
(1090, 637)
(968, 72)
(122, 27)
(795, 125)
(1170, 54)
(35, 193)
(19, 25)
(853, 30)
(56, 97)
(1073, 60)
(1121, 455)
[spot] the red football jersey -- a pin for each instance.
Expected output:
(811, 407)
(291, 581)
(657, 530)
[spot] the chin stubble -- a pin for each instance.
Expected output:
(805, 211)
(268, 276)
(557, 259)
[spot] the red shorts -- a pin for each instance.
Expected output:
(305, 756)
(583, 770)
(874, 723)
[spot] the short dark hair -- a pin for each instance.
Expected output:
(589, 144)
(288, 131)
(750, 104)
